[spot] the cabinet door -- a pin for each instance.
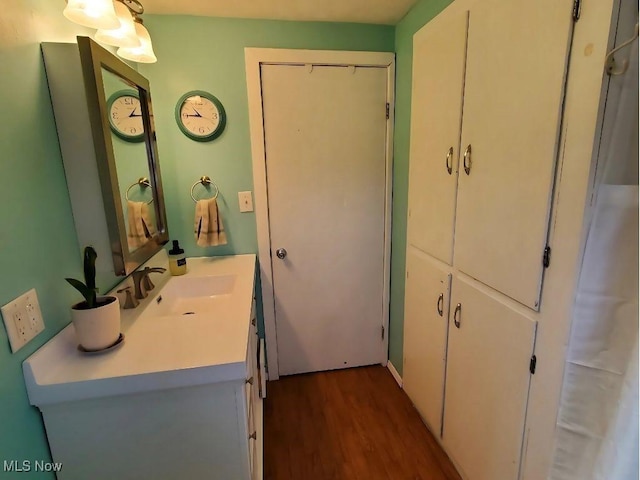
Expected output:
(436, 110)
(425, 336)
(487, 384)
(515, 76)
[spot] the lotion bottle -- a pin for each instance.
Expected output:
(177, 260)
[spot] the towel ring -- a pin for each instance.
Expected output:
(204, 180)
(143, 182)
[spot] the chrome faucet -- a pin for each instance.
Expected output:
(130, 301)
(142, 283)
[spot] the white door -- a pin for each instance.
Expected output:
(426, 313)
(325, 142)
(514, 85)
(488, 360)
(436, 112)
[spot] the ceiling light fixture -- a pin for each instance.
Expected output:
(118, 23)
(125, 34)
(144, 53)
(92, 13)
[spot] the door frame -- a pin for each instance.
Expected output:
(254, 58)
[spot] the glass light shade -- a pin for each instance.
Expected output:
(92, 13)
(125, 35)
(143, 53)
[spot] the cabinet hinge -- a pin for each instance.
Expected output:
(388, 110)
(546, 257)
(382, 332)
(577, 7)
(532, 364)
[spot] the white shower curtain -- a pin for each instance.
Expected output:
(597, 428)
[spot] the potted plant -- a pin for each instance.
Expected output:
(96, 319)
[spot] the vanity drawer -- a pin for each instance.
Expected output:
(252, 380)
(251, 396)
(252, 434)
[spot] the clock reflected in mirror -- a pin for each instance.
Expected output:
(125, 115)
(200, 116)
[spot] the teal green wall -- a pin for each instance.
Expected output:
(418, 16)
(38, 245)
(204, 53)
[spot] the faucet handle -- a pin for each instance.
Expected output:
(131, 301)
(147, 284)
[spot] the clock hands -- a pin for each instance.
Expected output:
(197, 115)
(132, 114)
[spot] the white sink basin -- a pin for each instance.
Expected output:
(192, 295)
(162, 348)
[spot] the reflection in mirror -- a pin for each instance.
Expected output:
(123, 131)
(107, 138)
(130, 153)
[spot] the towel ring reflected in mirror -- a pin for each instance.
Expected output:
(143, 182)
(204, 180)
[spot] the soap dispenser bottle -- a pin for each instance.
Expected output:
(177, 260)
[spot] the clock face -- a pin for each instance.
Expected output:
(200, 116)
(125, 116)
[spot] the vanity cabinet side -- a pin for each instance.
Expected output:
(252, 424)
(210, 431)
(178, 433)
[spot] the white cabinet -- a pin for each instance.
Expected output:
(488, 374)
(253, 398)
(426, 313)
(514, 88)
(209, 431)
(436, 113)
(487, 99)
(179, 399)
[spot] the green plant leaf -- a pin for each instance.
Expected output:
(90, 256)
(88, 294)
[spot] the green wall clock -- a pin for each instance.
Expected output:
(200, 116)
(125, 115)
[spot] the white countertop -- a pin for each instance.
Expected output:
(159, 352)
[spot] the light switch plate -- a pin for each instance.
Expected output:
(22, 319)
(245, 201)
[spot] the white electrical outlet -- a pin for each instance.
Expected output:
(22, 319)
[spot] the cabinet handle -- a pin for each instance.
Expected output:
(467, 160)
(253, 322)
(456, 320)
(440, 304)
(249, 380)
(448, 161)
(253, 436)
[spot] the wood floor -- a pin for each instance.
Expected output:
(353, 424)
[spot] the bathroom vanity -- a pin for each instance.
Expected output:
(180, 398)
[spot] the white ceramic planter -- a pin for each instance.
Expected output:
(97, 328)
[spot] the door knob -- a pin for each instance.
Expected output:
(281, 253)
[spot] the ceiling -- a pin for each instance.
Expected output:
(384, 12)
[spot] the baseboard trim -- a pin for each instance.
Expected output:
(395, 373)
